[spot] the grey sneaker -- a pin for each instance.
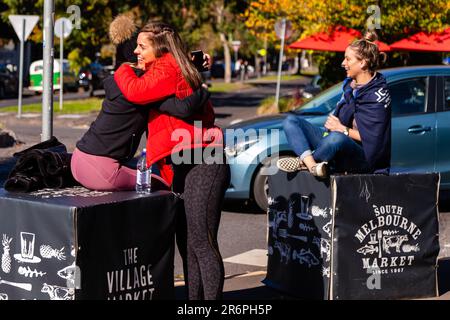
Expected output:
(320, 170)
(291, 164)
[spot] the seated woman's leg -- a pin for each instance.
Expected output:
(302, 136)
(101, 173)
(343, 152)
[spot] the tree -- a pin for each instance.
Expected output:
(399, 19)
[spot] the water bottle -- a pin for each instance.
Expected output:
(143, 174)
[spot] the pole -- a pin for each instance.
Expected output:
(283, 33)
(47, 80)
(22, 43)
(61, 67)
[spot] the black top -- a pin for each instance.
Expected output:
(117, 131)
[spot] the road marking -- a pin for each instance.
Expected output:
(31, 115)
(255, 257)
(71, 116)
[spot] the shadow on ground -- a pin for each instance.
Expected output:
(241, 206)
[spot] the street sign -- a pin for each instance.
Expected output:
(236, 45)
(23, 25)
(63, 27)
(279, 27)
(17, 22)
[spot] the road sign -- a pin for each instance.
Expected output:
(17, 22)
(279, 27)
(23, 25)
(63, 27)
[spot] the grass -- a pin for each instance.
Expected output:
(228, 87)
(72, 106)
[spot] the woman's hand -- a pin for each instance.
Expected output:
(208, 61)
(333, 124)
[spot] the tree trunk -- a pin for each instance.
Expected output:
(227, 58)
(220, 12)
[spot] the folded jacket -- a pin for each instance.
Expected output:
(45, 165)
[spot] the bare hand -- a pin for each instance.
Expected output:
(333, 124)
(208, 61)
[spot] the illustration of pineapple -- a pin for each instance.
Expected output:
(48, 252)
(6, 258)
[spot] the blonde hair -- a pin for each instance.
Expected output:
(367, 50)
(165, 39)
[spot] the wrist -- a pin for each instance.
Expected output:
(346, 131)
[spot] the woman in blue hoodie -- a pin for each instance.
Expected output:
(357, 136)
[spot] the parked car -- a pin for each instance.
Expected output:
(91, 77)
(70, 82)
(313, 88)
(9, 81)
(420, 131)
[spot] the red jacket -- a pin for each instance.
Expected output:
(163, 79)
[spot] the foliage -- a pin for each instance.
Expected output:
(399, 19)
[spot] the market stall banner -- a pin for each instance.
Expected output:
(353, 236)
(75, 243)
(386, 238)
(299, 243)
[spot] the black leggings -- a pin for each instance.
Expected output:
(203, 187)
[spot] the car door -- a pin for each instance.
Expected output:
(443, 130)
(413, 124)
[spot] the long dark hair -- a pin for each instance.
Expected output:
(165, 39)
(366, 49)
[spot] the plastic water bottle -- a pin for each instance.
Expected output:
(143, 174)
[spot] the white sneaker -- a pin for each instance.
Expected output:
(291, 164)
(320, 170)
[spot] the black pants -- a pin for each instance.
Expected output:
(203, 187)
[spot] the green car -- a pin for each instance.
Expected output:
(420, 131)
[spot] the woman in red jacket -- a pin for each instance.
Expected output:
(169, 71)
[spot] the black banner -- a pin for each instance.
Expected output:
(386, 236)
(79, 244)
(299, 244)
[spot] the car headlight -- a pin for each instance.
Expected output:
(238, 148)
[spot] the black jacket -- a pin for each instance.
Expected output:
(117, 131)
(371, 108)
(44, 165)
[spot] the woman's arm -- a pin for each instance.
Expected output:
(157, 83)
(186, 107)
(334, 124)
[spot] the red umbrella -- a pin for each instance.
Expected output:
(337, 39)
(435, 41)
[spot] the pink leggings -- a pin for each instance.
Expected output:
(103, 173)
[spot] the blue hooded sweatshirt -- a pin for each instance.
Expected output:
(370, 106)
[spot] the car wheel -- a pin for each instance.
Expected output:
(261, 186)
(2, 92)
(261, 190)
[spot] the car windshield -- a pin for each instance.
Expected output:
(323, 103)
